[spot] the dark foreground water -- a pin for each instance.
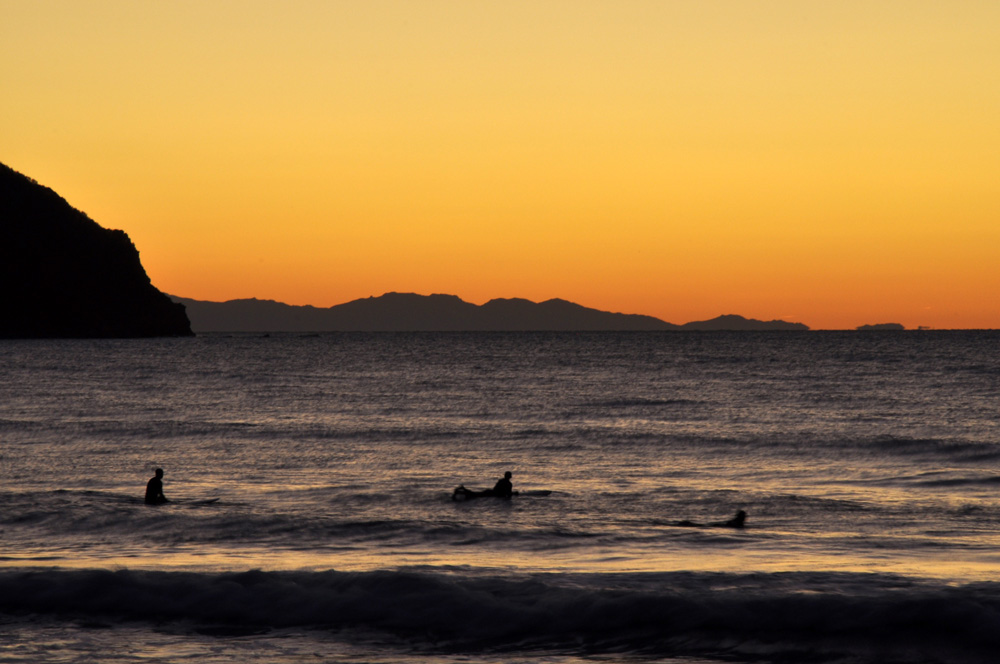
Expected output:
(867, 464)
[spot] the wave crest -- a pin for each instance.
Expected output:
(655, 614)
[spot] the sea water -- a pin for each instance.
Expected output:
(311, 480)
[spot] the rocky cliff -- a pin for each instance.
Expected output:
(63, 275)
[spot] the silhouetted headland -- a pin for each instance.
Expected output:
(63, 275)
(407, 312)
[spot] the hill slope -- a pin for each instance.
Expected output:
(62, 275)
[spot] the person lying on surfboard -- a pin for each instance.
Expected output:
(737, 521)
(154, 489)
(502, 489)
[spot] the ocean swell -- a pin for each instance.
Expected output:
(759, 616)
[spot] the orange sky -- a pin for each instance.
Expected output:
(831, 163)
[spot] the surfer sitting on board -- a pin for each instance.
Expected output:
(502, 489)
(154, 489)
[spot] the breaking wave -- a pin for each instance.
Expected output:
(862, 617)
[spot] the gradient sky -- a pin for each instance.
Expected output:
(832, 163)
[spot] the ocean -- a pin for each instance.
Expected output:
(312, 519)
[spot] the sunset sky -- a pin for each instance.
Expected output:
(832, 163)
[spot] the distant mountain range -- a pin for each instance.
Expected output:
(408, 312)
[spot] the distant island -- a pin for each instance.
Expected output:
(63, 275)
(895, 327)
(409, 312)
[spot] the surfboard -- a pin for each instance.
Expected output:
(195, 501)
(462, 494)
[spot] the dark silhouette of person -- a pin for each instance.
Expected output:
(737, 521)
(503, 488)
(154, 489)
